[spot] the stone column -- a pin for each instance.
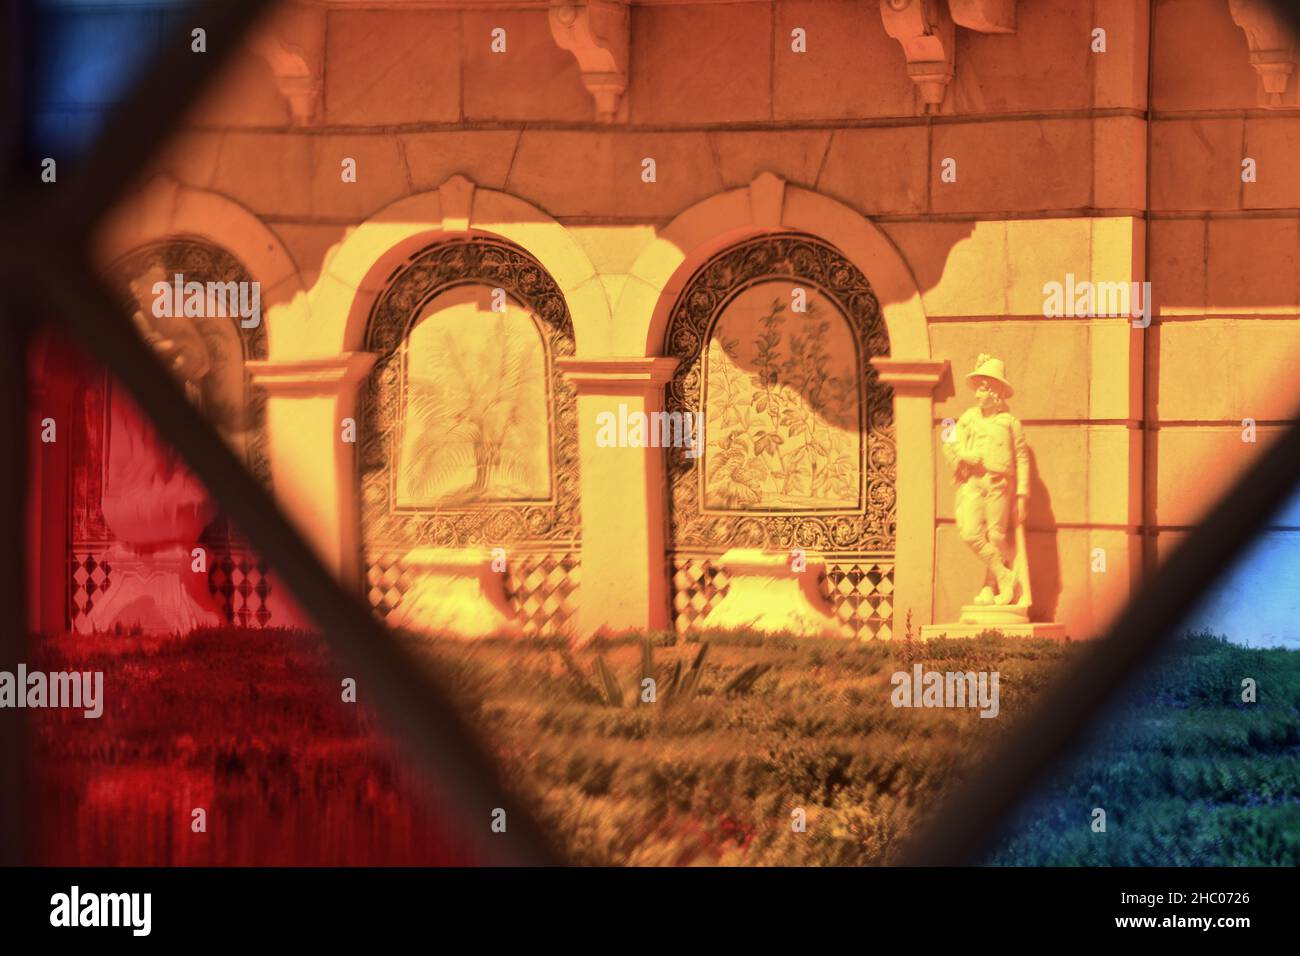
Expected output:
(313, 468)
(624, 499)
(913, 382)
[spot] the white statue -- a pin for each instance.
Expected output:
(990, 463)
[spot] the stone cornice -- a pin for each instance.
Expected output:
(617, 373)
(910, 376)
(311, 377)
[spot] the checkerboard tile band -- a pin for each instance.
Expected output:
(541, 587)
(860, 594)
(239, 585)
(88, 576)
(237, 581)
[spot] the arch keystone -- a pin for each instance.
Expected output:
(456, 196)
(766, 199)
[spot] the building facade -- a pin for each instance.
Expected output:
(482, 229)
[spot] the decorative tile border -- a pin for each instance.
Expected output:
(541, 586)
(860, 593)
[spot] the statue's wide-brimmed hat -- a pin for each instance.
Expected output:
(988, 367)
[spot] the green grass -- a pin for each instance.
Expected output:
(712, 778)
(1187, 773)
(250, 725)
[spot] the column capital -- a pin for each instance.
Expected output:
(617, 374)
(308, 377)
(910, 376)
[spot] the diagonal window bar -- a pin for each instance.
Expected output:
(420, 710)
(13, 475)
(13, 576)
(11, 87)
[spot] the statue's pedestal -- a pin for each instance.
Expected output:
(456, 594)
(766, 596)
(158, 592)
(1012, 620)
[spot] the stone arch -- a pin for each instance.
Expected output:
(170, 227)
(165, 208)
(773, 337)
(238, 409)
(358, 268)
(469, 430)
(767, 205)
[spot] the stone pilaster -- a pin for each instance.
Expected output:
(313, 468)
(625, 583)
(913, 382)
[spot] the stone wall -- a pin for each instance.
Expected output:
(1058, 171)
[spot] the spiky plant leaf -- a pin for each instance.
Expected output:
(613, 691)
(691, 682)
(668, 693)
(743, 682)
(647, 666)
(586, 690)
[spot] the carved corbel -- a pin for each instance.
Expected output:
(925, 31)
(1272, 51)
(984, 16)
(596, 32)
(293, 44)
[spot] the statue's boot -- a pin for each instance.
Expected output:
(985, 596)
(1006, 584)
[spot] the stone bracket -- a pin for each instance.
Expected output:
(597, 33)
(1272, 51)
(293, 44)
(926, 32)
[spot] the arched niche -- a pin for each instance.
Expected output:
(469, 431)
(224, 389)
(774, 337)
(209, 357)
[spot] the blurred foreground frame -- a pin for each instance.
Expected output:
(48, 275)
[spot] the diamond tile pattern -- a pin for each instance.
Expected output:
(88, 575)
(237, 581)
(542, 587)
(859, 592)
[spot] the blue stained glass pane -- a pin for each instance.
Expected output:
(85, 54)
